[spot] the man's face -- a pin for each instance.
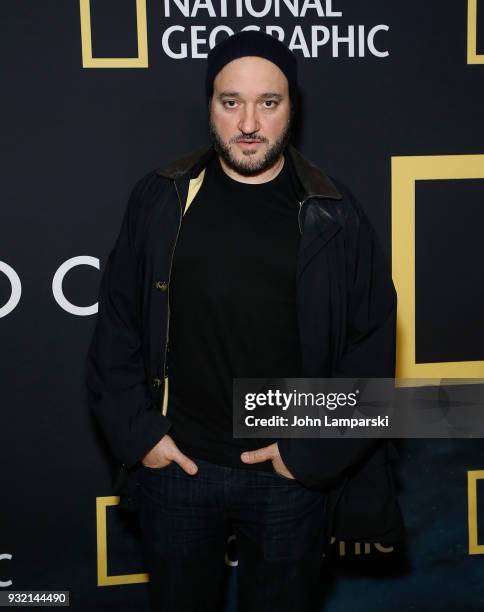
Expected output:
(250, 114)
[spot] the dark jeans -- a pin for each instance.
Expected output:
(186, 520)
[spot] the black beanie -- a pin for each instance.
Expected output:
(252, 42)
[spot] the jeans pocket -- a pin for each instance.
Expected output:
(282, 475)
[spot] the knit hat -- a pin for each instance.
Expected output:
(252, 42)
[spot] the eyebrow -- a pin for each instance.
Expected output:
(236, 94)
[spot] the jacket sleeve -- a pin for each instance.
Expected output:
(368, 351)
(115, 376)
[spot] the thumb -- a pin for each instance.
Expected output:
(189, 466)
(256, 456)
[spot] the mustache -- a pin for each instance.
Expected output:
(254, 138)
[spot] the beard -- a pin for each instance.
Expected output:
(250, 167)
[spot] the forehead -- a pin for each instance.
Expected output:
(251, 74)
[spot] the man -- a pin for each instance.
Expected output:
(242, 259)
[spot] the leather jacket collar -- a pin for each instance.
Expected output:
(314, 181)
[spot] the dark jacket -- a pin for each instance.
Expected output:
(346, 308)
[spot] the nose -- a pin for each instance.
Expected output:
(248, 122)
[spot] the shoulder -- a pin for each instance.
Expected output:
(147, 190)
(350, 211)
(147, 194)
(348, 202)
(148, 182)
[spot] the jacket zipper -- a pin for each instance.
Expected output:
(168, 293)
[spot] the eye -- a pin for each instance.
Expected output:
(231, 103)
(273, 102)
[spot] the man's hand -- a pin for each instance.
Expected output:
(165, 452)
(263, 454)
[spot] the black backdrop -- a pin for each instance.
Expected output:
(76, 137)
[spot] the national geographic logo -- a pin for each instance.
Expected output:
(343, 549)
(177, 40)
(473, 477)
(88, 61)
(472, 28)
(405, 172)
(328, 35)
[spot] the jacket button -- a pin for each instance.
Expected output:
(161, 285)
(156, 383)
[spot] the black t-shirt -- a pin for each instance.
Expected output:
(232, 306)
